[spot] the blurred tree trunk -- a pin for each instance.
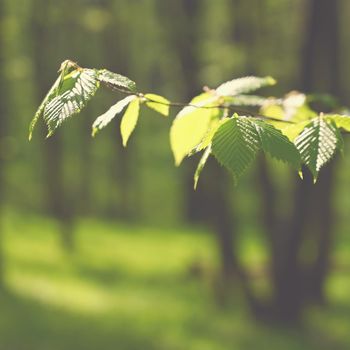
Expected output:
(116, 52)
(246, 29)
(211, 202)
(3, 131)
(299, 279)
(58, 204)
(184, 36)
(321, 72)
(296, 281)
(86, 179)
(284, 246)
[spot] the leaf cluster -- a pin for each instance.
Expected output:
(215, 122)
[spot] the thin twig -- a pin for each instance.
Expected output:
(182, 104)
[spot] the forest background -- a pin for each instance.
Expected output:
(105, 247)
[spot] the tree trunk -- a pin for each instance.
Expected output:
(211, 202)
(323, 44)
(321, 73)
(296, 281)
(323, 223)
(58, 203)
(185, 38)
(116, 51)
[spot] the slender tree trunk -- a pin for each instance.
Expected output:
(116, 51)
(211, 202)
(324, 224)
(86, 178)
(224, 228)
(321, 73)
(246, 28)
(287, 273)
(221, 219)
(58, 203)
(185, 38)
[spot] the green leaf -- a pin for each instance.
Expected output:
(276, 144)
(293, 130)
(65, 68)
(59, 86)
(244, 85)
(201, 165)
(292, 108)
(34, 121)
(292, 103)
(215, 123)
(77, 89)
(129, 120)
(158, 103)
(104, 119)
(49, 96)
(203, 98)
(190, 126)
(273, 110)
(317, 143)
(341, 121)
(117, 80)
(235, 144)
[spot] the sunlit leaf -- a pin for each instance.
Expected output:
(213, 127)
(291, 108)
(276, 144)
(317, 144)
(77, 89)
(235, 144)
(129, 120)
(158, 103)
(293, 130)
(49, 96)
(190, 126)
(104, 119)
(341, 121)
(201, 165)
(245, 100)
(117, 80)
(244, 85)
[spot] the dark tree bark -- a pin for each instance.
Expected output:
(211, 202)
(182, 29)
(114, 52)
(296, 281)
(320, 70)
(59, 205)
(246, 28)
(321, 73)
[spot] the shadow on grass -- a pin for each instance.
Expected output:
(30, 325)
(26, 324)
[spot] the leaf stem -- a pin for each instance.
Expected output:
(182, 104)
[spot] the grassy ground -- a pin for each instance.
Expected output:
(135, 288)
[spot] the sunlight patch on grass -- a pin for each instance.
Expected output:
(72, 295)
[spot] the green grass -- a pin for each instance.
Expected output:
(130, 287)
